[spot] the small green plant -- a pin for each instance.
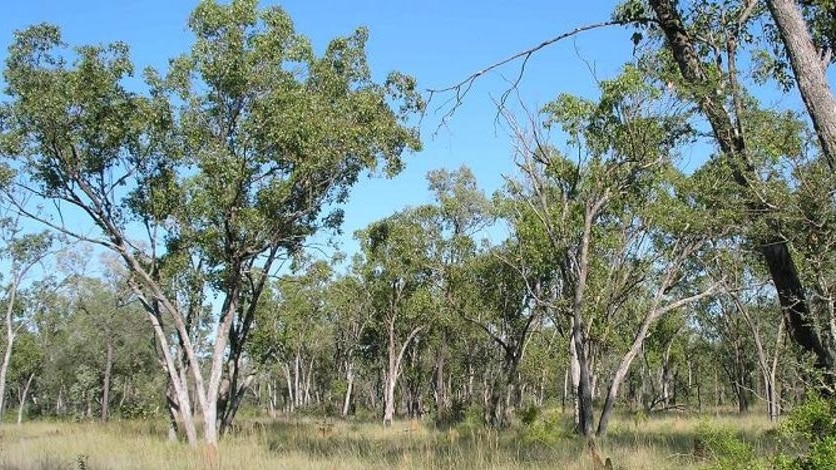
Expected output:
(529, 415)
(809, 433)
(724, 449)
(545, 428)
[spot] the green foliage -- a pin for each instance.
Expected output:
(810, 434)
(726, 449)
(529, 415)
(547, 429)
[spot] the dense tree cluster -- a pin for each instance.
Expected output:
(605, 274)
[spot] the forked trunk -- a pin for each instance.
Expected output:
(24, 395)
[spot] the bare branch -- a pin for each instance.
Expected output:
(463, 87)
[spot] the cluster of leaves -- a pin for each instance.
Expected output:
(810, 433)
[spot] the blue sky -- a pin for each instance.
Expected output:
(438, 42)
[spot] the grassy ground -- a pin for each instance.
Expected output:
(658, 443)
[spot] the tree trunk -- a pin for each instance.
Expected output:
(106, 380)
(565, 391)
(585, 412)
(395, 357)
(228, 407)
(809, 66)
(505, 392)
(774, 397)
(24, 395)
(439, 385)
(173, 407)
(271, 400)
(213, 388)
(349, 379)
(4, 367)
(10, 341)
(297, 381)
(291, 399)
(176, 382)
(308, 378)
(575, 368)
(389, 400)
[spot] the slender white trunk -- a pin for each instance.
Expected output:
(297, 387)
(10, 340)
(308, 375)
(290, 396)
(575, 368)
(23, 397)
(393, 371)
(349, 378)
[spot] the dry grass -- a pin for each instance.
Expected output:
(658, 443)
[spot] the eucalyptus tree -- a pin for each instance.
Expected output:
(505, 306)
(349, 305)
(462, 212)
(229, 158)
(807, 33)
(395, 267)
(615, 226)
(23, 253)
(706, 71)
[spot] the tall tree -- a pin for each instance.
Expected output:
(228, 159)
(712, 94)
(23, 252)
(395, 254)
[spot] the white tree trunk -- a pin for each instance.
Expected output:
(24, 395)
(10, 340)
(349, 378)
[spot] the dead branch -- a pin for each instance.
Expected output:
(463, 87)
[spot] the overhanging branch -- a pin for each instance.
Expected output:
(463, 87)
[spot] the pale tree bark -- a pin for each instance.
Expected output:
(767, 367)
(24, 395)
(774, 394)
(349, 379)
(575, 369)
(650, 319)
(177, 380)
(291, 399)
(393, 370)
(271, 399)
(18, 273)
(10, 341)
(439, 381)
(584, 393)
(809, 65)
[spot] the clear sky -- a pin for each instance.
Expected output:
(438, 42)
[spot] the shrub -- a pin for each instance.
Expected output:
(810, 434)
(725, 449)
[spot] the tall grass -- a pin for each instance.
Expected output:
(658, 443)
